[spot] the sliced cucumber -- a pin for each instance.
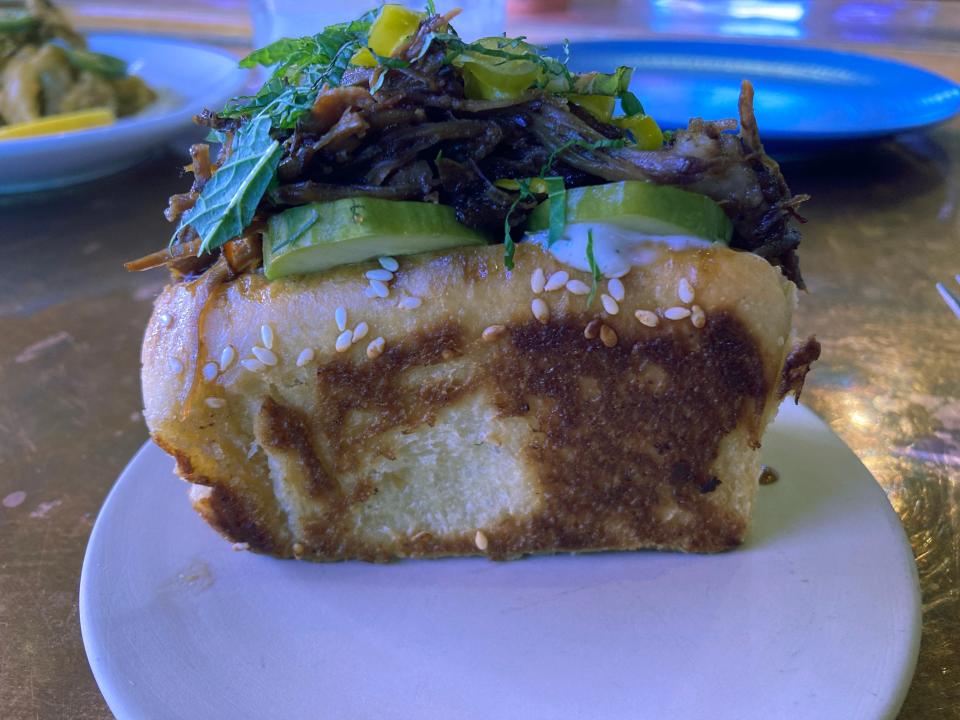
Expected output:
(643, 207)
(315, 237)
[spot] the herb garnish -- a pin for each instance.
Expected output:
(303, 66)
(594, 268)
(509, 247)
(230, 198)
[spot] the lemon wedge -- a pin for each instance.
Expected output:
(61, 123)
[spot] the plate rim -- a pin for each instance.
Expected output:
(233, 79)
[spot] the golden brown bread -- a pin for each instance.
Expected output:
(478, 428)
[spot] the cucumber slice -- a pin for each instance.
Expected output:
(643, 207)
(315, 237)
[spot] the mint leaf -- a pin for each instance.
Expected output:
(272, 54)
(230, 198)
(301, 67)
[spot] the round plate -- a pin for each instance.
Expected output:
(187, 79)
(816, 616)
(802, 94)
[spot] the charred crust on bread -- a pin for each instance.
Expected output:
(228, 511)
(621, 434)
(287, 430)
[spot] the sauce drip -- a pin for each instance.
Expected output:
(615, 248)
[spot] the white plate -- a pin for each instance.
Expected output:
(187, 78)
(817, 616)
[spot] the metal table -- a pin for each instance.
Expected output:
(884, 227)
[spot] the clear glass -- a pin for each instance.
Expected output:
(275, 19)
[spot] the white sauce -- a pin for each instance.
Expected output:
(615, 248)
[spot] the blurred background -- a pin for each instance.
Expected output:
(898, 23)
(884, 228)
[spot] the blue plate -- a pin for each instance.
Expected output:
(802, 94)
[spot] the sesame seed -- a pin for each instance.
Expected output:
(266, 334)
(267, 357)
(360, 332)
(493, 332)
(164, 320)
(540, 310)
(252, 364)
(608, 336)
(380, 274)
(175, 366)
(684, 291)
(340, 315)
(537, 281)
(210, 371)
(375, 348)
(379, 288)
(617, 274)
(578, 287)
(616, 289)
(676, 313)
(646, 317)
(305, 357)
(408, 302)
(215, 402)
(609, 304)
(344, 340)
(298, 550)
(697, 316)
(592, 330)
(227, 356)
(481, 540)
(368, 292)
(557, 280)
(389, 263)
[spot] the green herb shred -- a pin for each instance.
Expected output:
(557, 195)
(594, 268)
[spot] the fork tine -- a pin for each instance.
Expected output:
(952, 301)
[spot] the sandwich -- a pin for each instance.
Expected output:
(435, 297)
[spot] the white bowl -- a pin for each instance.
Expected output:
(187, 78)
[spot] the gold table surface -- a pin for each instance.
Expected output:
(884, 226)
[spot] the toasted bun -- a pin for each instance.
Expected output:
(479, 429)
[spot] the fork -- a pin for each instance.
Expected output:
(952, 301)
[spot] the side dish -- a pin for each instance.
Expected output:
(47, 71)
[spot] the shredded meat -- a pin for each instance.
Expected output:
(418, 137)
(797, 366)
